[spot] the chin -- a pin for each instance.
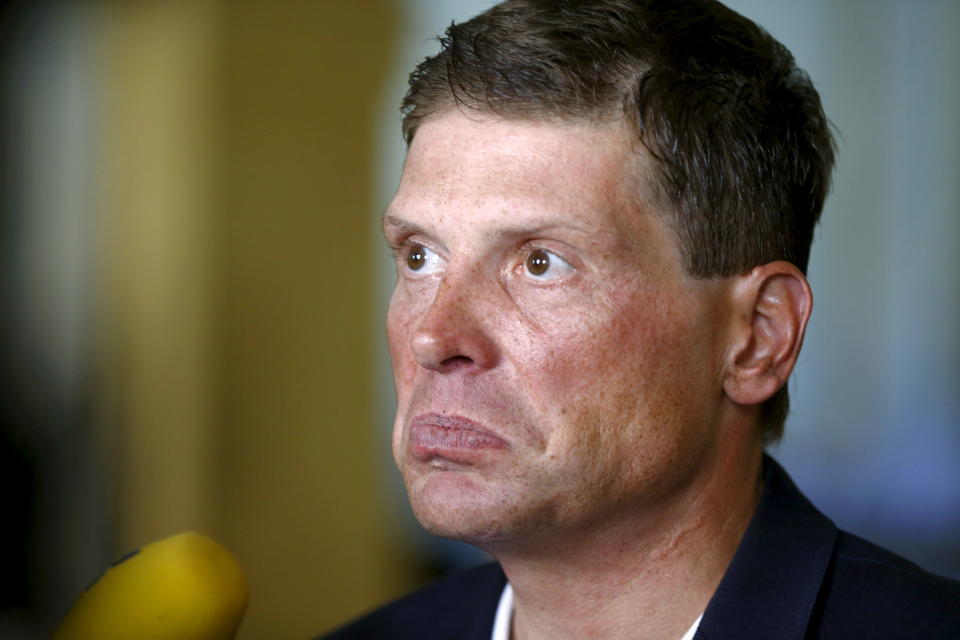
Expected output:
(459, 507)
(472, 531)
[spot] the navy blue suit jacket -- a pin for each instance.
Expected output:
(795, 576)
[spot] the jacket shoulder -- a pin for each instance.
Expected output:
(459, 606)
(871, 592)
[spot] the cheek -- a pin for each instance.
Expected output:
(401, 322)
(619, 342)
(398, 332)
(626, 367)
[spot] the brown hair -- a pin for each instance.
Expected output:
(741, 146)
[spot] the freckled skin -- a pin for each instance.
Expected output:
(604, 382)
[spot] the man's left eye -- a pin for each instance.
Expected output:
(541, 264)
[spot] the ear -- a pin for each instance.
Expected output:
(772, 305)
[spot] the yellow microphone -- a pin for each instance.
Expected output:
(185, 587)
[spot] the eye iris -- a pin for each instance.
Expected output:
(538, 262)
(416, 258)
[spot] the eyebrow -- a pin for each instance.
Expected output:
(533, 227)
(389, 220)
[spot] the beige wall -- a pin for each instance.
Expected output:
(237, 146)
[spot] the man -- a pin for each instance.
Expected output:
(601, 235)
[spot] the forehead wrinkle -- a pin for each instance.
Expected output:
(530, 184)
(497, 155)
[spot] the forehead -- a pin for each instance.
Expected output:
(581, 174)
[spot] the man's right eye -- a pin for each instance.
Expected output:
(421, 259)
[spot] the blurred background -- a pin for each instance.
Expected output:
(192, 288)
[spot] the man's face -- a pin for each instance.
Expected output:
(554, 365)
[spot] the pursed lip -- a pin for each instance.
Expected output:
(451, 437)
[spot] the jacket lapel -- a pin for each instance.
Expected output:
(770, 588)
(471, 614)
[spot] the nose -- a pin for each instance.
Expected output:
(457, 332)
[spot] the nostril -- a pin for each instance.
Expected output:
(456, 362)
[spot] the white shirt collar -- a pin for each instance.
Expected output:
(501, 623)
(693, 629)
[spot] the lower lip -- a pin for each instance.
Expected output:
(452, 439)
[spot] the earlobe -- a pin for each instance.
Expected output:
(772, 306)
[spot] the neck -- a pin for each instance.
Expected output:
(642, 575)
